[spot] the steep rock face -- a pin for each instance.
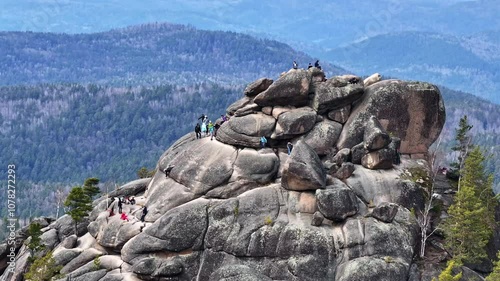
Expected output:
(231, 210)
(412, 111)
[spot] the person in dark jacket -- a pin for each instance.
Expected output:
(119, 205)
(316, 64)
(197, 130)
(295, 65)
(144, 213)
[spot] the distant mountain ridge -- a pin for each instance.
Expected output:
(468, 65)
(149, 54)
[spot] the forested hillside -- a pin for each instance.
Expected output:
(151, 54)
(65, 133)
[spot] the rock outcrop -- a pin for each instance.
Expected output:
(334, 208)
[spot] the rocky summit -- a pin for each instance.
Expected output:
(336, 208)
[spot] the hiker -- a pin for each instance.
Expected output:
(167, 170)
(309, 66)
(295, 65)
(197, 130)
(289, 146)
(111, 212)
(132, 200)
(211, 130)
(224, 119)
(204, 128)
(119, 205)
(216, 128)
(316, 64)
(203, 118)
(144, 213)
(124, 217)
(263, 141)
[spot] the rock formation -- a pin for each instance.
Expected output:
(336, 208)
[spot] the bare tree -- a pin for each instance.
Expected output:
(59, 196)
(423, 217)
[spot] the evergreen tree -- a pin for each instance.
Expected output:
(43, 269)
(447, 275)
(90, 187)
(143, 173)
(462, 146)
(79, 204)
(495, 275)
(471, 217)
(35, 244)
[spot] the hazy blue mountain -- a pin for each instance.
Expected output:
(326, 23)
(149, 54)
(313, 27)
(472, 66)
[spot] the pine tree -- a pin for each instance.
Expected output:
(90, 187)
(446, 274)
(495, 275)
(463, 145)
(35, 244)
(43, 269)
(79, 203)
(471, 216)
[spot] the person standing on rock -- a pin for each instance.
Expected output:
(197, 130)
(295, 65)
(204, 128)
(263, 141)
(309, 66)
(119, 205)
(144, 213)
(289, 146)
(211, 130)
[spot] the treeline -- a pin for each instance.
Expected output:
(66, 133)
(149, 54)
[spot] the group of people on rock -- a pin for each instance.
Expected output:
(316, 64)
(263, 144)
(129, 201)
(207, 127)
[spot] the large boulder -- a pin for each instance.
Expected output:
(238, 104)
(293, 88)
(217, 161)
(337, 203)
(323, 136)
(171, 233)
(257, 87)
(336, 93)
(260, 166)
(379, 159)
(412, 111)
(294, 122)
(375, 137)
(303, 170)
(246, 130)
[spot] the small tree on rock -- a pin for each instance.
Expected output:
(462, 147)
(35, 244)
(90, 187)
(79, 204)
